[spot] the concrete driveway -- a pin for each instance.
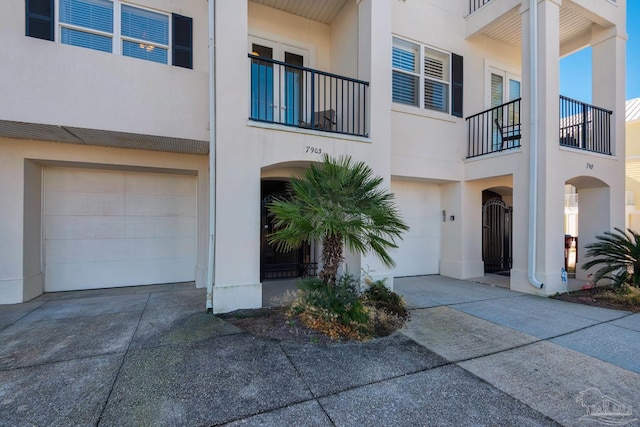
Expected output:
(472, 354)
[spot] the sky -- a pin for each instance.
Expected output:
(575, 70)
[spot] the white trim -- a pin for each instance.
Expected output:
(422, 47)
(508, 73)
(283, 41)
(116, 37)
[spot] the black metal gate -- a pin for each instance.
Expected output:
(283, 265)
(497, 252)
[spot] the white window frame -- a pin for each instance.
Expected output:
(422, 49)
(508, 73)
(280, 46)
(117, 38)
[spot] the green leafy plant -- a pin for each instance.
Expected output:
(382, 298)
(618, 256)
(337, 202)
(341, 300)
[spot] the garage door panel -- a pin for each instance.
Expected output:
(103, 250)
(101, 274)
(84, 180)
(117, 227)
(159, 205)
(65, 203)
(159, 184)
(136, 228)
(81, 226)
(419, 251)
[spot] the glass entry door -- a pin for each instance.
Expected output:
(277, 82)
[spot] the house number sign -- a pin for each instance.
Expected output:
(313, 150)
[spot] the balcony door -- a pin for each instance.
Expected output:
(277, 82)
(503, 87)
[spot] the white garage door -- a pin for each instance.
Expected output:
(117, 228)
(419, 251)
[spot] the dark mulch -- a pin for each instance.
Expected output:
(274, 323)
(597, 297)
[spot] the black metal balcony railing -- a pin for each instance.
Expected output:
(305, 98)
(476, 4)
(584, 126)
(494, 130)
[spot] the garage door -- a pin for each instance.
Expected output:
(419, 251)
(117, 228)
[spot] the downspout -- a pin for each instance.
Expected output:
(533, 144)
(212, 155)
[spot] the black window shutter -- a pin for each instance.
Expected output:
(182, 43)
(456, 77)
(39, 19)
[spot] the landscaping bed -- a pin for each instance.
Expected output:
(606, 297)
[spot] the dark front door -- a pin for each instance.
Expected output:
(283, 265)
(496, 236)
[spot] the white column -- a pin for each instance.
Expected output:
(374, 66)
(550, 184)
(237, 255)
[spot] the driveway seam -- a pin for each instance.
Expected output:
(304, 381)
(124, 356)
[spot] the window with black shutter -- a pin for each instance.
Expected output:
(182, 41)
(39, 19)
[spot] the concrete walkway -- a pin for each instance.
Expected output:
(472, 354)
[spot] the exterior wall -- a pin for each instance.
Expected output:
(418, 152)
(101, 90)
(21, 163)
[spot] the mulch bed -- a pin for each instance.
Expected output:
(274, 323)
(596, 297)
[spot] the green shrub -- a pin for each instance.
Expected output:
(341, 299)
(382, 298)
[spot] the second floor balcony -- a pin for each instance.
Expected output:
(582, 126)
(292, 95)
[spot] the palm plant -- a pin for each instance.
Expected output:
(337, 202)
(619, 254)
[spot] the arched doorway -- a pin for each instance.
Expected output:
(276, 265)
(497, 241)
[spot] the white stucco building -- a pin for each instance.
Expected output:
(106, 124)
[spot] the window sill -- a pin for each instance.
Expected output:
(430, 114)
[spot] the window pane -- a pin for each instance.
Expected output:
(93, 14)
(436, 64)
(497, 90)
(436, 96)
(262, 51)
(405, 88)
(405, 56)
(145, 25)
(144, 51)
(88, 40)
(514, 89)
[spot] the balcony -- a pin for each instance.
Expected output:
(494, 130)
(476, 4)
(305, 98)
(582, 126)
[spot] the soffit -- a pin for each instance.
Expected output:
(105, 138)
(632, 169)
(323, 11)
(507, 28)
(633, 110)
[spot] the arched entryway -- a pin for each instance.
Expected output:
(587, 215)
(497, 235)
(276, 265)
